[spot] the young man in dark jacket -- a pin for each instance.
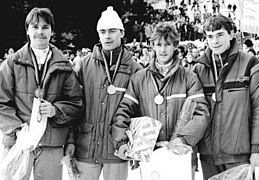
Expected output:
(39, 72)
(230, 81)
(104, 75)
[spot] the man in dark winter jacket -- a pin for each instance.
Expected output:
(230, 81)
(104, 75)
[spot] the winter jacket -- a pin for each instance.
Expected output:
(139, 101)
(60, 87)
(234, 132)
(93, 142)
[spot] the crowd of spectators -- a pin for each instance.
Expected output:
(139, 24)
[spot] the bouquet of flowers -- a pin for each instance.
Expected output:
(143, 134)
(70, 164)
(185, 116)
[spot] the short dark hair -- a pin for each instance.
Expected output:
(34, 15)
(217, 22)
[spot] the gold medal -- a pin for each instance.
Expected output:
(38, 93)
(159, 99)
(111, 89)
(213, 97)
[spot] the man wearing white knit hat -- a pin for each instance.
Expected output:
(104, 75)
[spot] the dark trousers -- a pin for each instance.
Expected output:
(45, 163)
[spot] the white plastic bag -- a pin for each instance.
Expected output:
(38, 124)
(14, 165)
(256, 173)
(165, 165)
(241, 172)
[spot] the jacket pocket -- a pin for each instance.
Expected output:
(84, 141)
(235, 126)
(238, 89)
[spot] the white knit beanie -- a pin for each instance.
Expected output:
(109, 20)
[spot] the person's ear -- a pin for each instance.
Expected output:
(122, 33)
(232, 34)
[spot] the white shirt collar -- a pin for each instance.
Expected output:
(163, 69)
(41, 54)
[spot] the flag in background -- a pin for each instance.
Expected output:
(249, 16)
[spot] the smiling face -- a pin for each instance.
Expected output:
(39, 34)
(164, 50)
(219, 40)
(110, 38)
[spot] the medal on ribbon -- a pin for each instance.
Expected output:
(159, 99)
(111, 89)
(38, 93)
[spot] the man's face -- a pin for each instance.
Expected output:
(39, 34)
(145, 51)
(195, 52)
(189, 58)
(219, 40)
(164, 51)
(110, 38)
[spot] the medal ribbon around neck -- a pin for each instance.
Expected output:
(39, 81)
(216, 72)
(111, 79)
(161, 90)
(215, 66)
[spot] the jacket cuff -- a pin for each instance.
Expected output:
(119, 144)
(58, 114)
(255, 148)
(58, 117)
(9, 140)
(183, 140)
(70, 138)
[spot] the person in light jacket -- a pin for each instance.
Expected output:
(159, 92)
(40, 70)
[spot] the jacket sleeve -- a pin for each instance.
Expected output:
(9, 122)
(254, 97)
(194, 130)
(128, 108)
(71, 106)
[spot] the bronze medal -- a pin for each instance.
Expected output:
(38, 93)
(159, 99)
(111, 89)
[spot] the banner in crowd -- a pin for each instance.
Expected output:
(249, 16)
